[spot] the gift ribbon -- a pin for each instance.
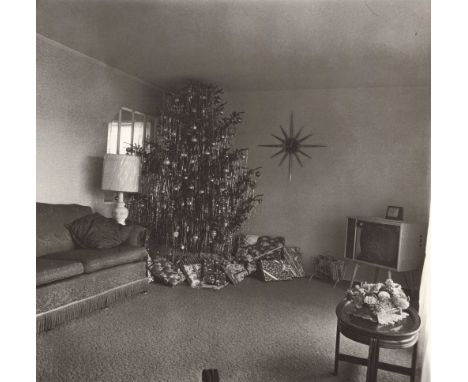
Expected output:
(268, 252)
(269, 274)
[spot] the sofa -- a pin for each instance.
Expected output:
(72, 281)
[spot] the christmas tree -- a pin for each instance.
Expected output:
(196, 190)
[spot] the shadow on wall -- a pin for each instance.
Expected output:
(93, 178)
(93, 174)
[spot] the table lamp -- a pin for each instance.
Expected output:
(121, 173)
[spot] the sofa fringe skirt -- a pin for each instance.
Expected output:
(54, 317)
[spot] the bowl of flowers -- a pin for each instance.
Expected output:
(383, 303)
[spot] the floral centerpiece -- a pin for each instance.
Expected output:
(381, 302)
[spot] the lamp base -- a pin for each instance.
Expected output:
(120, 213)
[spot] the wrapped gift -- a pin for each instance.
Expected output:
(244, 241)
(251, 267)
(293, 256)
(273, 254)
(328, 267)
(275, 270)
(212, 273)
(235, 272)
(250, 239)
(268, 244)
(149, 267)
(189, 259)
(252, 248)
(221, 259)
(166, 272)
(168, 253)
(215, 287)
(242, 254)
(193, 273)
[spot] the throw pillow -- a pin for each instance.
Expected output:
(97, 231)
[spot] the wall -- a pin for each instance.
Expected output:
(76, 97)
(378, 146)
(378, 155)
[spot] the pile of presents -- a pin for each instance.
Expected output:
(266, 257)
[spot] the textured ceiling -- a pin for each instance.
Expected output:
(250, 45)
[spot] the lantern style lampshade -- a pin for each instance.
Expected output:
(121, 173)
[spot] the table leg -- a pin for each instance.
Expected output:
(376, 275)
(414, 359)
(411, 286)
(373, 360)
(389, 274)
(355, 269)
(337, 349)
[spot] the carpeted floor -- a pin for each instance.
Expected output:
(282, 331)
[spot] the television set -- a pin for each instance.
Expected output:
(394, 245)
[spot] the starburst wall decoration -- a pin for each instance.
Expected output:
(291, 146)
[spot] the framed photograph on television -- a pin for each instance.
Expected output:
(394, 213)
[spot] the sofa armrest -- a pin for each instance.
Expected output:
(138, 236)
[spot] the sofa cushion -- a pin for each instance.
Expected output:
(50, 270)
(97, 231)
(51, 234)
(87, 285)
(96, 259)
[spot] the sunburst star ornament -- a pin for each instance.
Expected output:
(291, 146)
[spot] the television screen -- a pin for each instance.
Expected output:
(377, 243)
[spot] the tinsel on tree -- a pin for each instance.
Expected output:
(196, 190)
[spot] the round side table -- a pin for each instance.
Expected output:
(403, 334)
